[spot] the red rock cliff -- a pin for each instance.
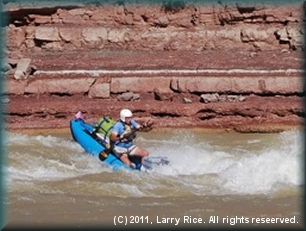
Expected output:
(219, 65)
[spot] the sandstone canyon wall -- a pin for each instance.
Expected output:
(204, 64)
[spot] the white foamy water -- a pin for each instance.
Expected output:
(201, 164)
(240, 168)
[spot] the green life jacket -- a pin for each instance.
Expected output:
(105, 126)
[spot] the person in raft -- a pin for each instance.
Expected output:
(123, 135)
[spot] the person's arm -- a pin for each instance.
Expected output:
(115, 133)
(146, 126)
(116, 137)
(136, 125)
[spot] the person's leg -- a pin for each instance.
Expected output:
(141, 152)
(121, 153)
(125, 159)
(138, 151)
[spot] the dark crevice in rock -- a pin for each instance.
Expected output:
(27, 94)
(61, 94)
(206, 114)
(207, 117)
(298, 113)
(165, 114)
(60, 115)
(40, 114)
(205, 111)
(244, 115)
(40, 43)
(145, 18)
(20, 114)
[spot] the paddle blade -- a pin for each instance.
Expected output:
(151, 161)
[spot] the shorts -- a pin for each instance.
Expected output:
(118, 151)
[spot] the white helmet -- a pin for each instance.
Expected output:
(125, 113)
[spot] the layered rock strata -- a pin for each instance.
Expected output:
(229, 66)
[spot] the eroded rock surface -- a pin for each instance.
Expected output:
(162, 61)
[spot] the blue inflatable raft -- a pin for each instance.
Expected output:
(85, 135)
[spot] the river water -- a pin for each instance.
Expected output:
(216, 179)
